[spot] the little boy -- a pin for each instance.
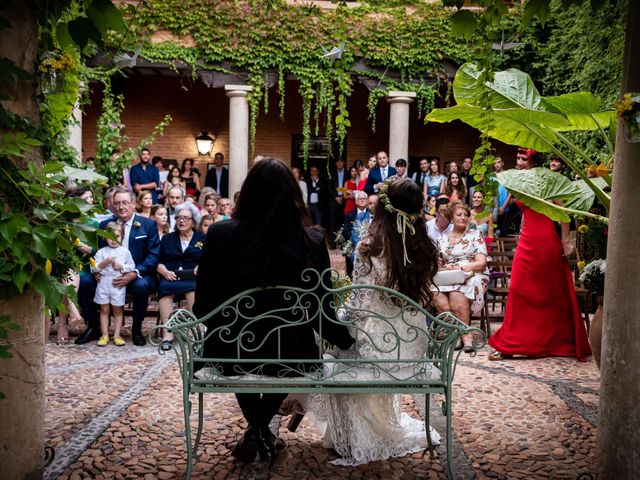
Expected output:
(111, 262)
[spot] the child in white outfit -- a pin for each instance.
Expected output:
(111, 262)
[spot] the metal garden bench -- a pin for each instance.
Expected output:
(431, 374)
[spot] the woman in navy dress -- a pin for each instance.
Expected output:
(179, 257)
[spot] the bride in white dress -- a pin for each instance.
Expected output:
(395, 253)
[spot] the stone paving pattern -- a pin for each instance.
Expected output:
(520, 419)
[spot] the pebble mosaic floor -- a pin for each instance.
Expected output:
(116, 413)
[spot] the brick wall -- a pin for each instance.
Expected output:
(195, 107)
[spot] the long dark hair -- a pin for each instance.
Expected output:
(415, 278)
(271, 199)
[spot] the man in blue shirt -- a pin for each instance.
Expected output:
(145, 176)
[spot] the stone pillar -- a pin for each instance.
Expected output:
(619, 412)
(399, 125)
(75, 130)
(238, 135)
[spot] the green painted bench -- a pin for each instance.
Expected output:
(431, 374)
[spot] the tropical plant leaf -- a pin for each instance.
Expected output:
(463, 23)
(538, 188)
(513, 126)
(511, 88)
(582, 109)
(584, 200)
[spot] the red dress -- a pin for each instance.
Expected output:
(350, 203)
(542, 317)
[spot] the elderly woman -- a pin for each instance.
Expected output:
(462, 249)
(179, 257)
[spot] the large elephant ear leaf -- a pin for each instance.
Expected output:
(584, 200)
(582, 109)
(538, 188)
(511, 88)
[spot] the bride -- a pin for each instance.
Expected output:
(396, 253)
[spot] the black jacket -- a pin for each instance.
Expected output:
(225, 271)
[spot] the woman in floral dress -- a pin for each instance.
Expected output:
(463, 249)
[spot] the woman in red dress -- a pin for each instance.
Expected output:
(542, 317)
(356, 182)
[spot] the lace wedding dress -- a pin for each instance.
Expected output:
(366, 428)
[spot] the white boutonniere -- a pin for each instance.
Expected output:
(136, 224)
(199, 245)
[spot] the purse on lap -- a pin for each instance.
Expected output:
(445, 278)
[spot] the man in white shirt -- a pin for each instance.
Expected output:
(440, 225)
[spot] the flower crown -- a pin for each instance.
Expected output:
(404, 220)
(388, 206)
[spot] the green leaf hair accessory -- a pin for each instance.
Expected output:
(404, 220)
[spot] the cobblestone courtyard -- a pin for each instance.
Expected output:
(117, 413)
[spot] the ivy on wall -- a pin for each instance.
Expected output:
(257, 37)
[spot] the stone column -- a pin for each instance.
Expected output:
(619, 413)
(238, 135)
(399, 125)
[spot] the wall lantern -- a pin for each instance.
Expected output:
(204, 142)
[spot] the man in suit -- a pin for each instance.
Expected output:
(141, 238)
(336, 199)
(267, 243)
(318, 191)
(175, 196)
(379, 174)
(423, 173)
(362, 215)
(218, 176)
(145, 176)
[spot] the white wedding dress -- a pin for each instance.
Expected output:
(365, 428)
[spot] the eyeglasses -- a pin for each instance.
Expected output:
(182, 218)
(122, 203)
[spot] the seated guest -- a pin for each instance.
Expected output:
(141, 239)
(454, 188)
(144, 204)
(204, 193)
(353, 221)
(462, 249)
(484, 224)
(178, 263)
(440, 225)
(175, 197)
(430, 208)
(174, 179)
(205, 222)
(225, 208)
(161, 217)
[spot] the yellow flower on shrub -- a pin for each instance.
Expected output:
(583, 228)
(93, 263)
(76, 242)
(48, 266)
(581, 264)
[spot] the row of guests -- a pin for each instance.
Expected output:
(168, 266)
(151, 174)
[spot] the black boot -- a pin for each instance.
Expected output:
(266, 446)
(247, 448)
(89, 335)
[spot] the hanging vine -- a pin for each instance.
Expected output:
(410, 38)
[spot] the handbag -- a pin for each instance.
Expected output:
(445, 278)
(185, 274)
